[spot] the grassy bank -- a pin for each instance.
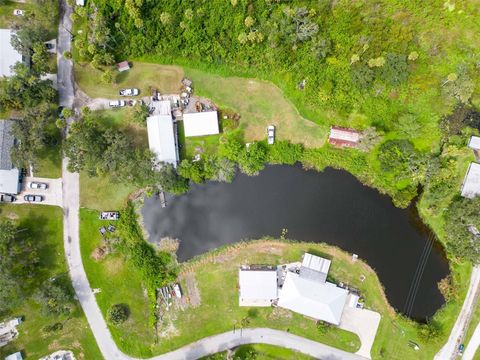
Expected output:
(44, 225)
(261, 352)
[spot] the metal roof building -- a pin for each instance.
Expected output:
(201, 123)
(9, 175)
(314, 268)
(320, 301)
(9, 56)
(258, 287)
(343, 137)
(474, 143)
(162, 134)
(471, 183)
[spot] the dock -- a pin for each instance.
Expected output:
(163, 202)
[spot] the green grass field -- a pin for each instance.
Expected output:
(6, 12)
(141, 75)
(261, 352)
(44, 225)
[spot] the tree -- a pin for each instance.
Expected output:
(107, 77)
(230, 147)
(117, 314)
(165, 18)
(399, 158)
(252, 159)
(140, 112)
(459, 86)
(67, 113)
(249, 21)
(283, 152)
(191, 170)
(54, 298)
(170, 181)
(40, 58)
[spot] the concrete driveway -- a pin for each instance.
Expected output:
(52, 195)
(364, 323)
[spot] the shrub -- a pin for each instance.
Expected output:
(117, 314)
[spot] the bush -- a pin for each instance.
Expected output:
(117, 314)
(284, 152)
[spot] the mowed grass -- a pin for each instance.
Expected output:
(259, 103)
(166, 79)
(263, 352)
(120, 283)
(6, 12)
(43, 225)
(50, 158)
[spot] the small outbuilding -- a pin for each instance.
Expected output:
(16, 356)
(123, 66)
(80, 2)
(471, 183)
(201, 123)
(10, 56)
(9, 175)
(474, 143)
(162, 133)
(258, 285)
(343, 137)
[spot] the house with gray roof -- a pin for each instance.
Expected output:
(9, 175)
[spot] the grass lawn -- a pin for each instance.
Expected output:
(262, 352)
(141, 75)
(44, 226)
(259, 103)
(119, 283)
(50, 159)
(6, 12)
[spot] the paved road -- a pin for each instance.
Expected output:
(64, 66)
(472, 345)
(449, 350)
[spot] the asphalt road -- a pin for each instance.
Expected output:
(65, 66)
(450, 350)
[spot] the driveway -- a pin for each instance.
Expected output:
(52, 195)
(364, 323)
(64, 66)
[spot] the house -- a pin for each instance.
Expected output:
(162, 133)
(9, 56)
(16, 356)
(9, 175)
(320, 301)
(343, 137)
(201, 123)
(471, 183)
(123, 66)
(258, 285)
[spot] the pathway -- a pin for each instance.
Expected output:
(473, 345)
(450, 349)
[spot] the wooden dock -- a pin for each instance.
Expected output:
(163, 202)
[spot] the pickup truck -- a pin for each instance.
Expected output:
(129, 92)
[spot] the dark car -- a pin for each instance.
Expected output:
(33, 198)
(49, 46)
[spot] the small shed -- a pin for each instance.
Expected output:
(471, 183)
(258, 285)
(201, 123)
(343, 137)
(474, 143)
(80, 2)
(123, 66)
(314, 268)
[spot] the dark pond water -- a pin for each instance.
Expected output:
(331, 207)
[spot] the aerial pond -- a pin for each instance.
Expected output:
(331, 206)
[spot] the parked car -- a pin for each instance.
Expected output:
(7, 198)
(37, 185)
(49, 46)
(271, 134)
(461, 348)
(129, 92)
(18, 12)
(33, 198)
(117, 103)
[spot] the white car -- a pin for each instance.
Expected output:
(18, 12)
(129, 92)
(271, 134)
(37, 185)
(116, 103)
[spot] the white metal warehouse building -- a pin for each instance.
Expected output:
(162, 133)
(9, 56)
(9, 175)
(201, 123)
(471, 183)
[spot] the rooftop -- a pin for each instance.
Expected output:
(343, 136)
(320, 301)
(474, 143)
(201, 123)
(258, 287)
(162, 139)
(6, 144)
(314, 267)
(471, 183)
(9, 56)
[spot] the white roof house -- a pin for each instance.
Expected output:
(9, 56)
(471, 183)
(474, 143)
(9, 175)
(314, 267)
(258, 287)
(201, 123)
(162, 136)
(320, 301)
